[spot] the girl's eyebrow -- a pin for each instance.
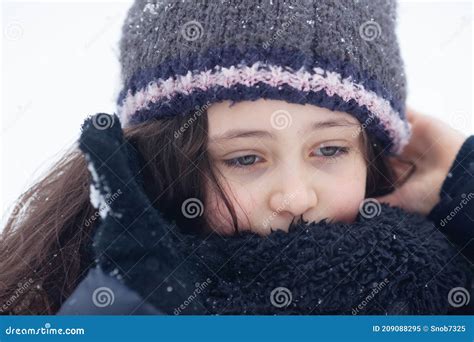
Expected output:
(243, 133)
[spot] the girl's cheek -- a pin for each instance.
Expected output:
(219, 216)
(215, 213)
(347, 209)
(348, 195)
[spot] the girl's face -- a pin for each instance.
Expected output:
(279, 161)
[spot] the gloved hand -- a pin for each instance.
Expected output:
(132, 242)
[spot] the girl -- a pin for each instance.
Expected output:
(240, 176)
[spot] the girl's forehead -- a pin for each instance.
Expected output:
(274, 115)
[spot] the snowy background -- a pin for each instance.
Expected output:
(60, 64)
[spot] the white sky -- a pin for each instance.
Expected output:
(59, 64)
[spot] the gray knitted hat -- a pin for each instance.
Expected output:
(178, 56)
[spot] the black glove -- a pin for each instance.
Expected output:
(132, 242)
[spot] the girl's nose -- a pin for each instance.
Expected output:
(296, 202)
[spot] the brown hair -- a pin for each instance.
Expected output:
(44, 246)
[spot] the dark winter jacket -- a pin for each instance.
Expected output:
(387, 262)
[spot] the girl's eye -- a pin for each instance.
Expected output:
(244, 161)
(331, 151)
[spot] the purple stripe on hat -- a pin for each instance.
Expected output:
(230, 55)
(274, 76)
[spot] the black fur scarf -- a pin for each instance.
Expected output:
(393, 263)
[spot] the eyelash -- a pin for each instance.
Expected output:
(341, 150)
(233, 163)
